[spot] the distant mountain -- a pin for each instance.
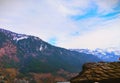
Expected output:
(30, 54)
(109, 54)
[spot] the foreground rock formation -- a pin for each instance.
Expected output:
(99, 73)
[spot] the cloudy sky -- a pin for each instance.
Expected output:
(66, 23)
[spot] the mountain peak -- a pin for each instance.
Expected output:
(15, 36)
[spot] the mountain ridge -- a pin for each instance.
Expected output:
(109, 54)
(30, 54)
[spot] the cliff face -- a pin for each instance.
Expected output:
(99, 73)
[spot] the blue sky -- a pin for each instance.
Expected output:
(66, 23)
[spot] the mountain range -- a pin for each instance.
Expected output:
(107, 55)
(30, 59)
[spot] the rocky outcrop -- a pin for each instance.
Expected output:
(101, 72)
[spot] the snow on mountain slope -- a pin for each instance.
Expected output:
(109, 54)
(20, 38)
(13, 35)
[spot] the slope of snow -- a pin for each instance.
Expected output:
(41, 48)
(20, 38)
(109, 54)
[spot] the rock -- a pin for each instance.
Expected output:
(101, 72)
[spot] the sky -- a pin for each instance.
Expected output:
(73, 24)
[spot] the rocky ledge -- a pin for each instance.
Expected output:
(102, 72)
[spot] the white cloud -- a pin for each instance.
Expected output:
(41, 19)
(106, 6)
(104, 36)
(50, 18)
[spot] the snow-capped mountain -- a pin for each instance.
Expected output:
(109, 54)
(30, 54)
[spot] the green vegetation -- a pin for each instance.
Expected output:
(3, 38)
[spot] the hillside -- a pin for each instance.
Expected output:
(28, 54)
(101, 72)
